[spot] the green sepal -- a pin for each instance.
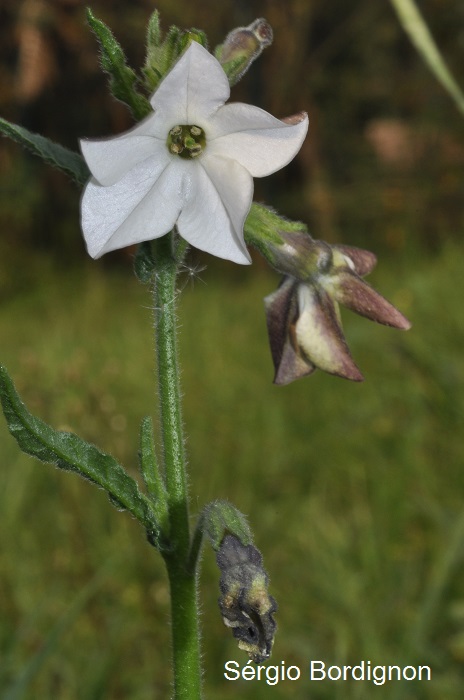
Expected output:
(264, 227)
(162, 54)
(144, 262)
(220, 518)
(154, 35)
(123, 79)
(193, 35)
(69, 452)
(216, 520)
(235, 68)
(60, 157)
(152, 477)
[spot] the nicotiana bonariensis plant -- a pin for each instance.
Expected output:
(183, 175)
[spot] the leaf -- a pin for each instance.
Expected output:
(122, 78)
(71, 453)
(415, 25)
(70, 162)
(152, 475)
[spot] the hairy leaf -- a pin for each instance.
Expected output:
(123, 79)
(151, 474)
(71, 453)
(70, 162)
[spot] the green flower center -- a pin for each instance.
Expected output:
(186, 140)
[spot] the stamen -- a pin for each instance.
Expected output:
(186, 140)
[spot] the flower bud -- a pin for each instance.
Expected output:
(245, 604)
(242, 46)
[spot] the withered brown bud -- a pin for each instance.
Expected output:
(245, 604)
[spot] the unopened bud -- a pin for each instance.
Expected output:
(242, 46)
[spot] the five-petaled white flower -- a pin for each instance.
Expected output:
(191, 164)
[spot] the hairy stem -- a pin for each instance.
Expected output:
(184, 603)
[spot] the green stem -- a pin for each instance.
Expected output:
(184, 603)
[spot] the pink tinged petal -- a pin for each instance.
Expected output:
(254, 138)
(363, 260)
(281, 314)
(357, 295)
(110, 159)
(143, 205)
(218, 203)
(320, 336)
(192, 90)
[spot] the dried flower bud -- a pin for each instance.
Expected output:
(245, 604)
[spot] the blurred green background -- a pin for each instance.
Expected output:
(355, 493)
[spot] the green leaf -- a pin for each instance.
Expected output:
(123, 79)
(152, 476)
(71, 453)
(70, 162)
(415, 25)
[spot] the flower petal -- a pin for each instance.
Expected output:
(281, 313)
(217, 206)
(356, 294)
(363, 260)
(194, 89)
(111, 158)
(320, 336)
(254, 138)
(143, 205)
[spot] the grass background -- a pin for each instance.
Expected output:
(354, 491)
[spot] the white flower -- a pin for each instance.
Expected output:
(188, 164)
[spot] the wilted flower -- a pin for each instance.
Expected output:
(245, 604)
(303, 316)
(188, 164)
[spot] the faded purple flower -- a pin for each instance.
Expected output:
(303, 316)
